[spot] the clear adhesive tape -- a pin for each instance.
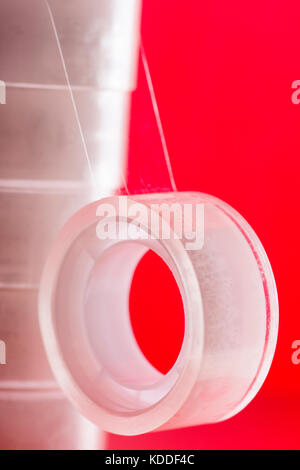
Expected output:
(230, 306)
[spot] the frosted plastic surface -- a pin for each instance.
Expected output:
(45, 178)
(231, 320)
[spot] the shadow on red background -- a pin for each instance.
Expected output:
(222, 73)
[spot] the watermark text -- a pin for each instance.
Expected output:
(154, 222)
(296, 352)
(2, 92)
(2, 352)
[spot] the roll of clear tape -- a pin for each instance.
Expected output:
(229, 298)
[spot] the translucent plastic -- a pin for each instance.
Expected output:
(230, 305)
(45, 178)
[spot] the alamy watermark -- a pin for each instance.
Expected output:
(157, 221)
(295, 357)
(295, 97)
(2, 352)
(2, 92)
(2, 343)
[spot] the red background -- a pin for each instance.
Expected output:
(222, 73)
